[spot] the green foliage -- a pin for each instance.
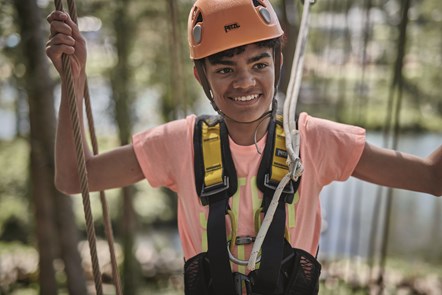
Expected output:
(14, 189)
(14, 158)
(328, 49)
(335, 53)
(155, 34)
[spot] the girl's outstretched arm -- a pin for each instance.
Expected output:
(401, 170)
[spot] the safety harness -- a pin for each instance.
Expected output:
(283, 269)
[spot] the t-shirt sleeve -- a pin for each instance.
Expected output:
(164, 150)
(334, 149)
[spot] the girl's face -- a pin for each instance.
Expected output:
(243, 85)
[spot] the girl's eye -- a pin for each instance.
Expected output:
(224, 71)
(260, 66)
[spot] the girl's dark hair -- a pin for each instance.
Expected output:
(271, 43)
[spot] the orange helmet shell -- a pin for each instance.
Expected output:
(218, 25)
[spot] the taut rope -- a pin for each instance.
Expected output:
(82, 171)
(290, 130)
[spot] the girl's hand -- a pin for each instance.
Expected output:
(66, 38)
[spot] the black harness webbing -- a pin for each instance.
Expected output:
(217, 183)
(217, 197)
(273, 246)
(267, 275)
(218, 256)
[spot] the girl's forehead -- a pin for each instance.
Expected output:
(248, 52)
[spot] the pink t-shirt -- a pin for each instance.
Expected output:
(329, 151)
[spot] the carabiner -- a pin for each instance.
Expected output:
(237, 260)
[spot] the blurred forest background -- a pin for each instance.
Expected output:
(376, 64)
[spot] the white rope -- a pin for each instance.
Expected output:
(291, 132)
(266, 222)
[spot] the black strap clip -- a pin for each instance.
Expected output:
(213, 190)
(241, 279)
(288, 192)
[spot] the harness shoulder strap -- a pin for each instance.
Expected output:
(273, 165)
(272, 169)
(215, 182)
(213, 165)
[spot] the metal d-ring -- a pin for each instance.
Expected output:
(237, 260)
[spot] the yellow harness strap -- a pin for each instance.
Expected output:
(279, 159)
(211, 145)
(212, 155)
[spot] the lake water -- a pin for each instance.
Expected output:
(349, 210)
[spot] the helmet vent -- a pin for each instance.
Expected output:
(199, 18)
(258, 3)
(263, 12)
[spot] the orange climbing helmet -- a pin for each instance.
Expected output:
(217, 25)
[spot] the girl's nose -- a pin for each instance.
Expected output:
(244, 80)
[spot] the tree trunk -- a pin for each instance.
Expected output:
(123, 98)
(393, 122)
(340, 114)
(130, 270)
(178, 94)
(68, 239)
(56, 232)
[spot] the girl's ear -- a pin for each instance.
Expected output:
(195, 74)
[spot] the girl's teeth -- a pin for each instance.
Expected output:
(246, 98)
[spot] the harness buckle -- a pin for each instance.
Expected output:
(244, 240)
(288, 190)
(207, 191)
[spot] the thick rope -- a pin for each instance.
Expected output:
(82, 171)
(290, 130)
(104, 206)
(81, 166)
(103, 200)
